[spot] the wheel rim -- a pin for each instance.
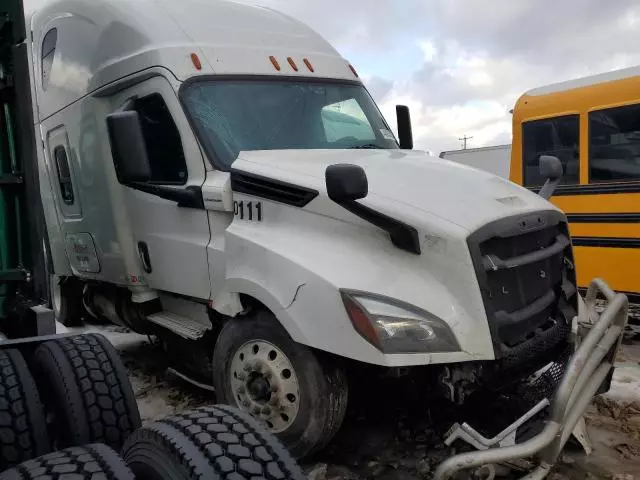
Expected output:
(56, 295)
(264, 383)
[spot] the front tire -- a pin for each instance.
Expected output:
(261, 370)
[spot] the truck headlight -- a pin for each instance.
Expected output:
(396, 327)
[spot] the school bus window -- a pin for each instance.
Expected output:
(614, 144)
(558, 136)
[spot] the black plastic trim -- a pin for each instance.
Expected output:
(189, 197)
(595, 189)
(270, 189)
(492, 262)
(606, 242)
(604, 217)
(538, 306)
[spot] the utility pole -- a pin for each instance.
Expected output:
(464, 141)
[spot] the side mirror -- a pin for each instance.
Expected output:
(346, 182)
(128, 148)
(405, 133)
(551, 169)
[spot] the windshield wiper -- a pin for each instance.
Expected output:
(368, 145)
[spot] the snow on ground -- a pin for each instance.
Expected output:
(625, 386)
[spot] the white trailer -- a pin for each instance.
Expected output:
(495, 159)
(218, 175)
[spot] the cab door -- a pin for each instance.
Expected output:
(170, 240)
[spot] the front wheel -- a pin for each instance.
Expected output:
(261, 370)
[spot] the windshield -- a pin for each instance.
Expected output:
(233, 116)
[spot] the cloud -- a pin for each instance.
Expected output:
(461, 65)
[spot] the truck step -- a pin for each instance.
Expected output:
(181, 326)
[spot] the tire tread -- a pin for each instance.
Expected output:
(74, 462)
(219, 442)
(23, 430)
(99, 397)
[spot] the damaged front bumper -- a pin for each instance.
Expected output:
(598, 339)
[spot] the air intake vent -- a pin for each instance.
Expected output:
(270, 189)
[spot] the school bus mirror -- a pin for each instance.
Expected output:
(551, 169)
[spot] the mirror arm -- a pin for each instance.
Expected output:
(403, 236)
(189, 197)
(549, 188)
(128, 104)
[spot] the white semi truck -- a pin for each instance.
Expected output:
(218, 175)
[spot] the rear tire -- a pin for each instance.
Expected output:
(217, 443)
(261, 370)
(86, 391)
(87, 462)
(66, 300)
(23, 430)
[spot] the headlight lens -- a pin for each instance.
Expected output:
(396, 327)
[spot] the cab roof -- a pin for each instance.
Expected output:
(101, 41)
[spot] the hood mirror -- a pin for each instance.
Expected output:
(346, 182)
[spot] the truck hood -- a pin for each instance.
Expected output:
(462, 195)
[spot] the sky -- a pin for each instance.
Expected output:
(460, 65)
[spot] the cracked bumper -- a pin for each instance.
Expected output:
(598, 339)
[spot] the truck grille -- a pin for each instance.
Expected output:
(525, 271)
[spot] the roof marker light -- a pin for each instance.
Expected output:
(292, 63)
(354, 71)
(196, 61)
(308, 64)
(275, 63)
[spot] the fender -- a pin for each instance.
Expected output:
(247, 286)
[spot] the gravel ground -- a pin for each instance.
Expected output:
(388, 438)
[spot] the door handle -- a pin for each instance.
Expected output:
(143, 250)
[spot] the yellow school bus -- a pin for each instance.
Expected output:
(593, 126)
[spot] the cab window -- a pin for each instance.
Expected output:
(614, 144)
(558, 136)
(48, 52)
